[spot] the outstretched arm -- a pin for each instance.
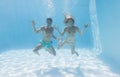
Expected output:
(85, 27)
(57, 29)
(63, 32)
(33, 25)
(54, 36)
(81, 32)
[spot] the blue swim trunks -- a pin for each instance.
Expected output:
(46, 44)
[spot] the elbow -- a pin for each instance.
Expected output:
(36, 32)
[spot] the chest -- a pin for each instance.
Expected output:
(71, 30)
(48, 30)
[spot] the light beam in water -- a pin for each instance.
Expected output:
(95, 27)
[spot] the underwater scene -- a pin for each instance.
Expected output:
(65, 38)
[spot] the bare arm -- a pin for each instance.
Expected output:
(63, 32)
(54, 37)
(81, 32)
(33, 25)
(85, 27)
(57, 29)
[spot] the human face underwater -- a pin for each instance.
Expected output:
(70, 22)
(49, 22)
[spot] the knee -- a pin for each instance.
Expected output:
(34, 50)
(54, 53)
(72, 52)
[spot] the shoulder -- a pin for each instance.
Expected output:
(75, 27)
(52, 26)
(66, 28)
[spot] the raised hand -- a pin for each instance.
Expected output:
(86, 25)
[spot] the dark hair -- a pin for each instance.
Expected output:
(67, 19)
(49, 19)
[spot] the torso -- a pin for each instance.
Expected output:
(70, 33)
(47, 33)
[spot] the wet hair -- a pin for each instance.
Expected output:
(49, 19)
(67, 19)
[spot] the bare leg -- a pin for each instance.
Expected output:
(51, 50)
(35, 50)
(73, 49)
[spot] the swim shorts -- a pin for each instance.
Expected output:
(46, 44)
